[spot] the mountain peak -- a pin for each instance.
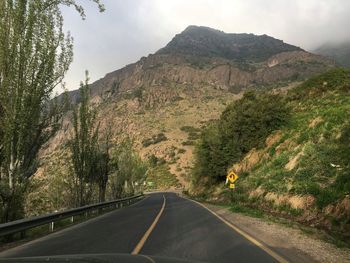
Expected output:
(208, 42)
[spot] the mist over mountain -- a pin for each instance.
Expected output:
(340, 52)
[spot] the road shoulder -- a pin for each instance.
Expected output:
(291, 243)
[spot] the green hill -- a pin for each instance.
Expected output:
(294, 163)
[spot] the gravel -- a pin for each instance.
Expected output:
(291, 243)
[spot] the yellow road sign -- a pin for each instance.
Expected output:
(232, 186)
(232, 177)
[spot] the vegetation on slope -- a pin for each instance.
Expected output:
(301, 170)
(244, 124)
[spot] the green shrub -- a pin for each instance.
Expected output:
(154, 140)
(189, 129)
(243, 125)
(153, 160)
(188, 142)
(147, 142)
(181, 151)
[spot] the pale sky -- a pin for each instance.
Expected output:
(130, 29)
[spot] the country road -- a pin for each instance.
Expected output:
(162, 224)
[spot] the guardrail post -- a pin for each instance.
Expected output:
(23, 234)
(51, 226)
(72, 219)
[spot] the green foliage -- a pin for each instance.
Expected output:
(154, 140)
(34, 56)
(243, 125)
(102, 164)
(83, 146)
(161, 178)
(193, 133)
(335, 79)
(181, 151)
(127, 169)
(188, 142)
(189, 129)
(243, 209)
(316, 175)
(134, 94)
(307, 158)
(153, 160)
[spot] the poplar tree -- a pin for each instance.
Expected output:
(103, 164)
(34, 56)
(84, 146)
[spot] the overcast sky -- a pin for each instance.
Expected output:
(130, 29)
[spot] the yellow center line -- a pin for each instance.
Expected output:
(143, 240)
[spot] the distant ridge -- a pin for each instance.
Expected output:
(339, 52)
(208, 42)
(202, 56)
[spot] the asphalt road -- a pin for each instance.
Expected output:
(183, 230)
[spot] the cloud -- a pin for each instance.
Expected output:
(134, 28)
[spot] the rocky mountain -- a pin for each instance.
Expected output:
(203, 56)
(207, 42)
(340, 52)
(162, 100)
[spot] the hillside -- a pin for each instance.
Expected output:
(301, 170)
(338, 52)
(163, 100)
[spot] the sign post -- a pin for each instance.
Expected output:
(232, 178)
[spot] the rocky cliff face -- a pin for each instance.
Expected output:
(203, 56)
(207, 42)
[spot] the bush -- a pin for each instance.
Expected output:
(153, 160)
(181, 151)
(154, 140)
(188, 142)
(189, 129)
(244, 124)
(193, 133)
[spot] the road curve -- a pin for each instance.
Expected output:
(181, 229)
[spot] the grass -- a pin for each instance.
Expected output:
(322, 170)
(322, 145)
(238, 208)
(332, 238)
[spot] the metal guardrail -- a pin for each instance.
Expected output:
(20, 226)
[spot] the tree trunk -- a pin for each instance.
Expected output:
(102, 193)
